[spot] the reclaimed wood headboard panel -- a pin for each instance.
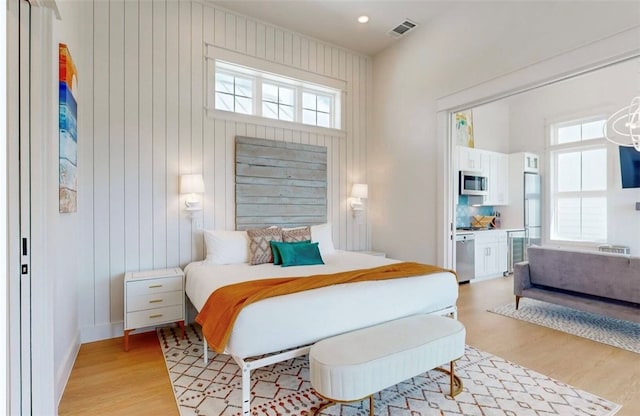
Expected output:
(280, 183)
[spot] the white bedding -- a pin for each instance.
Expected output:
(302, 318)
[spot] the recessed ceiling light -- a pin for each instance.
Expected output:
(363, 19)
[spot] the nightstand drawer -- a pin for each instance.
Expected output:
(149, 286)
(154, 300)
(153, 317)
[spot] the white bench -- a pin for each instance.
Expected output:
(355, 365)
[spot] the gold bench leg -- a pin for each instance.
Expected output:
(333, 402)
(455, 384)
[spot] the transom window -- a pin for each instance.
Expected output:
(249, 91)
(579, 181)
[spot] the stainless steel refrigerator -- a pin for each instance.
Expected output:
(532, 209)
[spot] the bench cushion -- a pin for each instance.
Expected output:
(357, 364)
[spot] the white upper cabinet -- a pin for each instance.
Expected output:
(527, 162)
(498, 178)
(470, 159)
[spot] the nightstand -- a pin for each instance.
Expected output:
(372, 253)
(152, 298)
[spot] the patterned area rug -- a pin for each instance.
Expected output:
(492, 386)
(614, 332)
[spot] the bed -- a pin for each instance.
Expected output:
(283, 327)
(285, 185)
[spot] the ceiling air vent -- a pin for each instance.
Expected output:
(402, 28)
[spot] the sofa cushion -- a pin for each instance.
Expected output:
(595, 273)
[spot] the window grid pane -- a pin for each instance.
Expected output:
(593, 130)
(594, 170)
(286, 112)
(569, 134)
(224, 101)
(324, 120)
(309, 117)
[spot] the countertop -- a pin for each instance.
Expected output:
(458, 231)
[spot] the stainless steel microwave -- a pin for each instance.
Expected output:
(472, 183)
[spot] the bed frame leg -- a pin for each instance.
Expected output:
(246, 390)
(206, 351)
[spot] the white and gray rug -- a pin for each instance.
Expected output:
(492, 386)
(614, 332)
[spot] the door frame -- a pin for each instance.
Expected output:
(596, 55)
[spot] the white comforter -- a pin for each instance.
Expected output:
(302, 318)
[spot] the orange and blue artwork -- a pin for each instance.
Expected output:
(68, 127)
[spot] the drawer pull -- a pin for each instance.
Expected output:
(154, 286)
(155, 316)
(155, 301)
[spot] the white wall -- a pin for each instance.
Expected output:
(63, 230)
(491, 127)
(474, 43)
(600, 92)
(143, 124)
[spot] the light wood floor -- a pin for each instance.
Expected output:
(107, 381)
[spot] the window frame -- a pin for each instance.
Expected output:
(554, 150)
(299, 87)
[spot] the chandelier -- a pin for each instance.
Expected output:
(624, 126)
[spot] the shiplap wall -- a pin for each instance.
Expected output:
(142, 122)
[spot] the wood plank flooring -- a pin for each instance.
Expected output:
(108, 381)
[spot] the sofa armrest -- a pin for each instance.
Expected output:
(521, 277)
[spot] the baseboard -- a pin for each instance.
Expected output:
(64, 371)
(108, 331)
(102, 331)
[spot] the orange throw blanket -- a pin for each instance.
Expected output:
(223, 306)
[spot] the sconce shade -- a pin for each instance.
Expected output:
(360, 190)
(191, 184)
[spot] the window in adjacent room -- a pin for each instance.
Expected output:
(250, 91)
(578, 155)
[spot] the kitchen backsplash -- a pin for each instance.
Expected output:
(464, 211)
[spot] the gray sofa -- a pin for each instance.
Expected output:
(592, 281)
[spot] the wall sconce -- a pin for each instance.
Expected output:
(359, 191)
(192, 185)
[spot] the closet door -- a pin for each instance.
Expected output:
(18, 203)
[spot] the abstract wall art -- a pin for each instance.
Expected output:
(68, 128)
(464, 129)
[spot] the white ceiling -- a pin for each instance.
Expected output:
(335, 21)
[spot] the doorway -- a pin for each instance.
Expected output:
(554, 71)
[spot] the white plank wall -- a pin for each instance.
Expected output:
(143, 118)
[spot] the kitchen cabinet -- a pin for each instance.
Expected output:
(471, 159)
(497, 173)
(490, 253)
(526, 162)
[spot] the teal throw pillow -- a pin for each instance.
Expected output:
(275, 248)
(300, 254)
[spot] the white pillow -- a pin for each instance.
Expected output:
(226, 247)
(322, 235)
